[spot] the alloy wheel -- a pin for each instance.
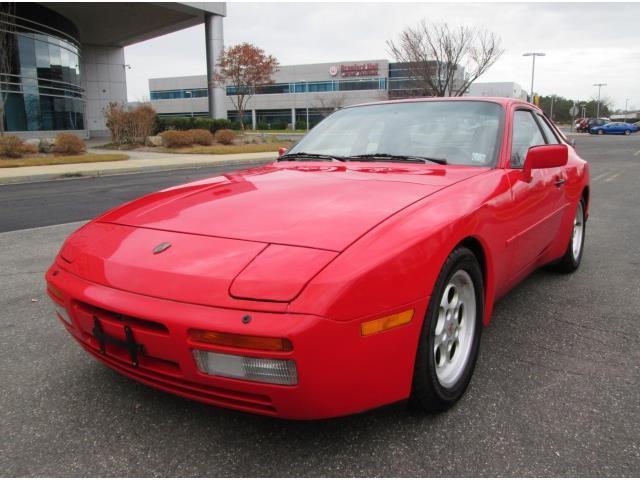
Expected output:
(578, 232)
(455, 329)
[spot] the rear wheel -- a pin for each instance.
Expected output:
(450, 335)
(627, 132)
(572, 257)
(600, 132)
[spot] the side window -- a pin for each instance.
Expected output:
(525, 134)
(548, 132)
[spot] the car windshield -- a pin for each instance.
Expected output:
(460, 132)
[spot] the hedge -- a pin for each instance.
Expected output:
(191, 123)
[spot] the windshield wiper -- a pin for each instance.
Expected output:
(396, 158)
(313, 156)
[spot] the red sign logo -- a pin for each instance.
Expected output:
(359, 70)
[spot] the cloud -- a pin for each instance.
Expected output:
(585, 43)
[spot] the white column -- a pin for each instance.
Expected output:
(254, 121)
(214, 42)
(293, 118)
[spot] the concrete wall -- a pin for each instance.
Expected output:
(103, 78)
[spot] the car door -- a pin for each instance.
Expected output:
(538, 202)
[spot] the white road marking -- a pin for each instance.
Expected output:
(600, 177)
(613, 176)
(637, 153)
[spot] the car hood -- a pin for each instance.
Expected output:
(316, 205)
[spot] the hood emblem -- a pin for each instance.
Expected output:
(161, 247)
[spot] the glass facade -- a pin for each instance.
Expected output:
(174, 94)
(320, 86)
(42, 89)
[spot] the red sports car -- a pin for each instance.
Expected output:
(356, 271)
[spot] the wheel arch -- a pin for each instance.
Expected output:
(481, 252)
(586, 192)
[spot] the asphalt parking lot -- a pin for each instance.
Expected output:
(556, 390)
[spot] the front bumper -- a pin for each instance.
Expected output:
(340, 372)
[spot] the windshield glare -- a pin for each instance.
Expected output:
(461, 132)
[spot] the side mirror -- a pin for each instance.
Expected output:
(545, 156)
(282, 151)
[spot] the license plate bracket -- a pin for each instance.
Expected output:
(129, 343)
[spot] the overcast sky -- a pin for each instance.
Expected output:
(585, 43)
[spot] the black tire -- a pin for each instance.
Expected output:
(428, 393)
(569, 263)
(627, 132)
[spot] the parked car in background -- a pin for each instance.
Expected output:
(614, 128)
(585, 125)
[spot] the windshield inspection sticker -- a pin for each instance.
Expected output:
(478, 157)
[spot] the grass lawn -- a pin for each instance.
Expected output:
(227, 149)
(61, 159)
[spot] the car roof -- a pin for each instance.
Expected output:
(504, 101)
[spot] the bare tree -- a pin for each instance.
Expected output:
(434, 53)
(7, 40)
(245, 68)
(328, 104)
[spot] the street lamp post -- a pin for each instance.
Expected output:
(190, 100)
(599, 85)
(533, 68)
(626, 108)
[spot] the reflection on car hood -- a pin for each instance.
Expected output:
(319, 204)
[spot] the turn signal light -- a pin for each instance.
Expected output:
(386, 323)
(241, 341)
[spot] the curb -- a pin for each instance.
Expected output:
(71, 175)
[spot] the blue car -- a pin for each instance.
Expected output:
(620, 128)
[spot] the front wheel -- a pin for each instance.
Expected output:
(450, 334)
(627, 132)
(600, 132)
(572, 257)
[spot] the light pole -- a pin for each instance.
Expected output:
(190, 100)
(626, 108)
(599, 85)
(533, 68)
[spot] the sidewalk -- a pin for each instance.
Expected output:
(138, 162)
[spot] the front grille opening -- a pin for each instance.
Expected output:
(125, 319)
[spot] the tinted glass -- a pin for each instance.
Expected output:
(526, 134)
(548, 133)
(462, 132)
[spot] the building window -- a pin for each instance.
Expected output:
(316, 87)
(175, 94)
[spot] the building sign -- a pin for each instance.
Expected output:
(333, 70)
(359, 70)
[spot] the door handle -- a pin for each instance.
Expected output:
(560, 182)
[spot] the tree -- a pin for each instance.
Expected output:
(244, 68)
(7, 40)
(434, 54)
(327, 104)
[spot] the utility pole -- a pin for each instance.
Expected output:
(533, 68)
(626, 108)
(599, 85)
(551, 112)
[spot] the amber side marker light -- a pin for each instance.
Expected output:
(386, 323)
(272, 344)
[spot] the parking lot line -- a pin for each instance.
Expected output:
(637, 153)
(613, 176)
(600, 177)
